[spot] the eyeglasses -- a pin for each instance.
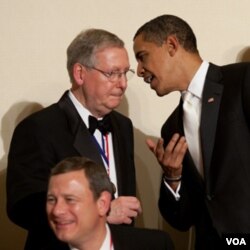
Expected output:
(114, 76)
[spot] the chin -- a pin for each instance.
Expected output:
(161, 92)
(158, 92)
(114, 104)
(64, 234)
(64, 237)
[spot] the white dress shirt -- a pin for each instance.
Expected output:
(107, 244)
(196, 88)
(84, 114)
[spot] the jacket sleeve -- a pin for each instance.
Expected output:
(29, 161)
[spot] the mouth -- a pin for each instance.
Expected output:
(118, 95)
(60, 224)
(148, 78)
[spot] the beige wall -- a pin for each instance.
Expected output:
(34, 35)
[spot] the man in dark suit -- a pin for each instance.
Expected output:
(205, 161)
(78, 200)
(82, 123)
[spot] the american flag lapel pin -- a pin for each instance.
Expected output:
(211, 99)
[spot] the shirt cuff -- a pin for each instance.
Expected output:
(174, 193)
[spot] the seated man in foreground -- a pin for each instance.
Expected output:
(78, 200)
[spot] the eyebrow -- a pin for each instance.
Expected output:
(137, 55)
(117, 69)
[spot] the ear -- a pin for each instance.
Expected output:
(172, 44)
(103, 203)
(79, 72)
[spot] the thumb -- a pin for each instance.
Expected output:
(151, 145)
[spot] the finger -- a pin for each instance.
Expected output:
(172, 143)
(135, 207)
(174, 158)
(179, 148)
(116, 219)
(129, 202)
(132, 214)
(127, 220)
(151, 145)
(159, 152)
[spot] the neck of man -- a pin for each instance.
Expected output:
(94, 240)
(190, 64)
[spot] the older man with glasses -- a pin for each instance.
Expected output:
(82, 123)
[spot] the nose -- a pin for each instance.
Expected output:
(140, 71)
(123, 81)
(58, 208)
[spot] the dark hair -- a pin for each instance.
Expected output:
(96, 174)
(161, 27)
(84, 47)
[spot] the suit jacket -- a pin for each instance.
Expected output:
(220, 203)
(42, 140)
(131, 238)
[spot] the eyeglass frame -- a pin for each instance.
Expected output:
(113, 73)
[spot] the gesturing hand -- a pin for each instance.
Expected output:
(172, 156)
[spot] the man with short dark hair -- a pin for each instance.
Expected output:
(204, 151)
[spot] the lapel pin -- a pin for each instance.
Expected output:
(210, 100)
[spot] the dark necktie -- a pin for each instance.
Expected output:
(103, 125)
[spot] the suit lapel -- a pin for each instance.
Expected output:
(85, 145)
(118, 151)
(209, 115)
(83, 140)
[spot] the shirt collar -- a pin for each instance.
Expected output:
(106, 244)
(197, 83)
(82, 111)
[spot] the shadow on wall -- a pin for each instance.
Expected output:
(11, 236)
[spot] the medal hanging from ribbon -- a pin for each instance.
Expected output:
(104, 149)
